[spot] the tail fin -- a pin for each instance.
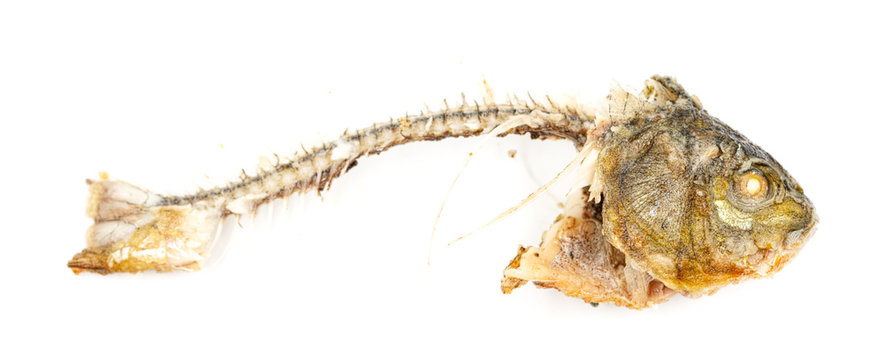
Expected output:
(135, 230)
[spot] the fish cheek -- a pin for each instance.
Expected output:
(749, 241)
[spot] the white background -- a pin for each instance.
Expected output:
(173, 95)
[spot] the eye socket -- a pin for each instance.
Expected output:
(753, 184)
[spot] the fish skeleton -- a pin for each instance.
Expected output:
(668, 199)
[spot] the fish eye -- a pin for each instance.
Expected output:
(753, 184)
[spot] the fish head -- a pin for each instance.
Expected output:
(697, 205)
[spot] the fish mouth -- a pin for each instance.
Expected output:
(793, 242)
(811, 229)
(795, 239)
